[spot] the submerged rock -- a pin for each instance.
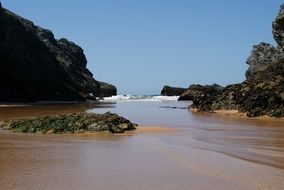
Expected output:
(173, 107)
(172, 91)
(34, 66)
(75, 123)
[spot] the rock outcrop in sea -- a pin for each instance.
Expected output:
(172, 91)
(34, 66)
(74, 123)
(262, 93)
(107, 90)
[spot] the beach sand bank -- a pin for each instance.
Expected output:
(238, 114)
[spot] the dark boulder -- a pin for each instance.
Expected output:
(34, 66)
(196, 91)
(172, 91)
(108, 89)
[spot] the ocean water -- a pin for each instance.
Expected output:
(147, 110)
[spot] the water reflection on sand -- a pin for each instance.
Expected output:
(201, 151)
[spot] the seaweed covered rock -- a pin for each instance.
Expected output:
(75, 123)
(34, 66)
(262, 94)
(172, 91)
(225, 98)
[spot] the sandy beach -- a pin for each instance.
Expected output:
(148, 160)
(171, 149)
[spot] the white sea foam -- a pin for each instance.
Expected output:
(139, 98)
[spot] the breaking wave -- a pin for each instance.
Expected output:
(139, 98)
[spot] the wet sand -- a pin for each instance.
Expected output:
(238, 114)
(154, 129)
(25, 110)
(188, 151)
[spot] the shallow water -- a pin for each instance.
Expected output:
(205, 152)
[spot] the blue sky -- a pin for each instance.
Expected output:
(140, 45)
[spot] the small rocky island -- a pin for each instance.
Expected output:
(34, 66)
(262, 93)
(70, 124)
(172, 91)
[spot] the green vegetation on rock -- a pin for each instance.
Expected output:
(75, 123)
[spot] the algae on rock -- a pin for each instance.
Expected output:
(74, 123)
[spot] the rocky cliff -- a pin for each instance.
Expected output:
(262, 93)
(34, 66)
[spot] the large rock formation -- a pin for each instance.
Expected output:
(262, 93)
(34, 66)
(172, 91)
